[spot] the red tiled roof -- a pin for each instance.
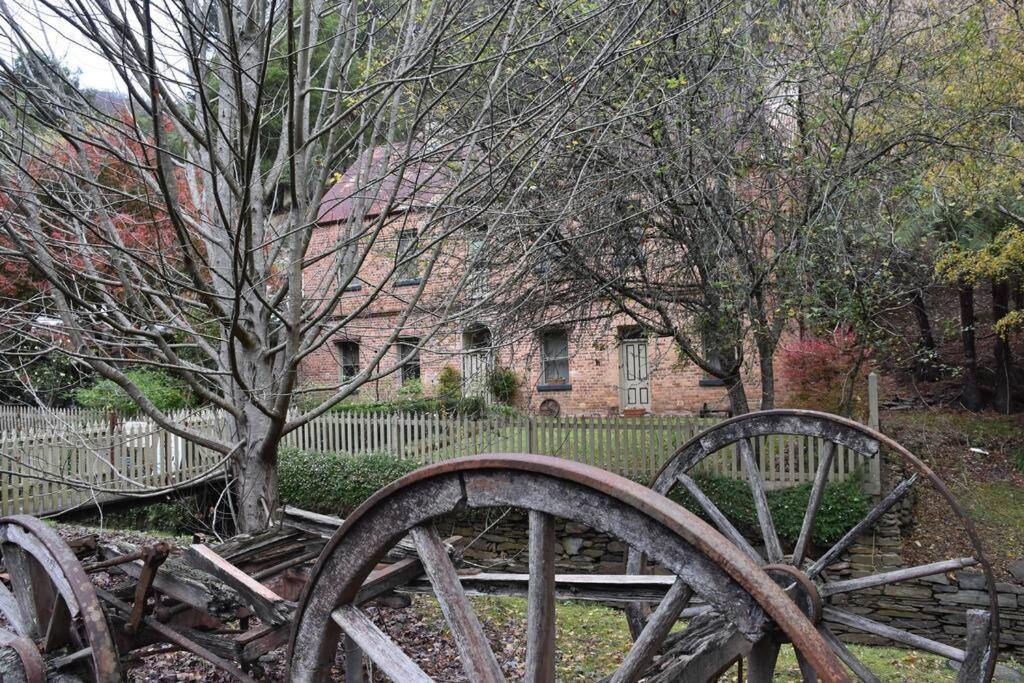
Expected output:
(377, 180)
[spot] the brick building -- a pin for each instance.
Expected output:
(603, 367)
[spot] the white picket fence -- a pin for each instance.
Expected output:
(59, 463)
(635, 447)
(29, 418)
(46, 470)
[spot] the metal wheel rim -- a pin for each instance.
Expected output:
(418, 498)
(91, 617)
(849, 433)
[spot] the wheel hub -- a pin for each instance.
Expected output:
(799, 587)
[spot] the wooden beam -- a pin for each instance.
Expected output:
(376, 645)
(265, 603)
(653, 634)
(540, 612)
(478, 659)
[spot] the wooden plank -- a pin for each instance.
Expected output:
(478, 659)
(540, 615)
(905, 574)
(268, 605)
(866, 625)
(653, 634)
(613, 588)
(377, 646)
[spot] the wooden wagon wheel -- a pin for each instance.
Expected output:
(747, 600)
(58, 625)
(805, 575)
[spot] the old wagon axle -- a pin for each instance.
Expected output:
(305, 581)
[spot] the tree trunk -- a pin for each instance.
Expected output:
(925, 369)
(1001, 349)
(255, 488)
(970, 396)
(737, 394)
(765, 359)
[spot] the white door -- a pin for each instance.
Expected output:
(476, 366)
(636, 386)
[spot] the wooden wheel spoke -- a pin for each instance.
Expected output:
(653, 634)
(762, 659)
(813, 503)
(12, 612)
(58, 626)
(848, 658)
(478, 660)
(895, 576)
(716, 515)
(377, 646)
(540, 615)
(701, 652)
(892, 633)
(806, 670)
(764, 514)
(863, 525)
(28, 588)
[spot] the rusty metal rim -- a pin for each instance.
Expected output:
(913, 460)
(676, 518)
(31, 658)
(104, 655)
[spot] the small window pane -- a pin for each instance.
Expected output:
(408, 269)
(555, 357)
(349, 352)
(409, 357)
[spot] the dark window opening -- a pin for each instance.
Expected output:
(349, 352)
(554, 357)
(409, 357)
(407, 268)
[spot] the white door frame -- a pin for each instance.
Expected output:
(634, 375)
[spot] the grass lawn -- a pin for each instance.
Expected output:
(592, 639)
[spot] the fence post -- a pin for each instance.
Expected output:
(531, 435)
(873, 400)
(875, 484)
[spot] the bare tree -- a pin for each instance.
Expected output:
(747, 149)
(175, 231)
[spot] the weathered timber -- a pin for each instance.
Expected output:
(979, 647)
(615, 588)
(540, 613)
(866, 625)
(266, 604)
(813, 503)
(477, 658)
(719, 519)
(761, 660)
(906, 574)
(704, 650)
(764, 513)
(377, 646)
(848, 658)
(653, 635)
(180, 581)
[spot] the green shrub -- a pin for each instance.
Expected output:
(166, 392)
(449, 383)
(503, 384)
(842, 506)
(335, 483)
(411, 388)
(468, 406)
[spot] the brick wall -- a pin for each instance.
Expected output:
(594, 354)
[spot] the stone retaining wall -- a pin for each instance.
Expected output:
(933, 607)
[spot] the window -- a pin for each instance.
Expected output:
(476, 285)
(409, 358)
(554, 348)
(349, 353)
(407, 268)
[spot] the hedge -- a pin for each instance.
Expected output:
(842, 506)
(469, 407)
(335, 483)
